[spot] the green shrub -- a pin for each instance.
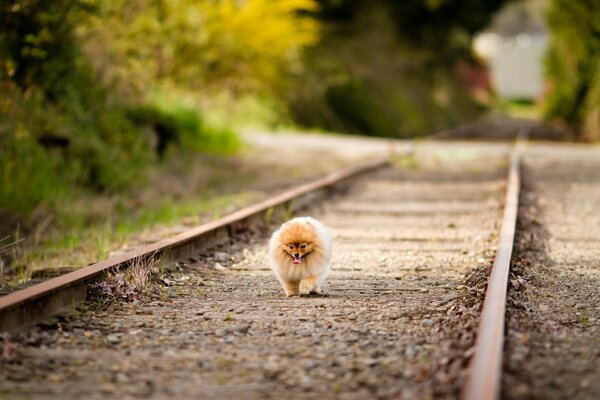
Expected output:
(49, 149)
(573, 66)
(28, 175)
(380, 109)
(182, 126)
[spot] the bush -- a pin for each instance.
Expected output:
(28, 175)
(50, 149)
(182, 126)
(573, 66)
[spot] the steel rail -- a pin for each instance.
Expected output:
(28, 306)
(485, 369)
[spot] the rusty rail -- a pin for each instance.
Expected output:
(485, 370)
(27, 306)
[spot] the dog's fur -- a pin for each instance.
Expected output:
(309, 239)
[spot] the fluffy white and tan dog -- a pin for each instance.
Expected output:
(300, 255)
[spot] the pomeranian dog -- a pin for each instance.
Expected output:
(300, 255)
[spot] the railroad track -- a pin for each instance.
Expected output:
(25, 307)
(404, 239)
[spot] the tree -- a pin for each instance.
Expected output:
(573, 66)
(227, 44)
(390, 68)
(37, 43)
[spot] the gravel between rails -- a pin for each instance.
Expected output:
(397, 319)
(553, 341)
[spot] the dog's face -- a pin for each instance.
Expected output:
(298, 250)
(298, 241)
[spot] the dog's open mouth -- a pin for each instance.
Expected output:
(297, 260)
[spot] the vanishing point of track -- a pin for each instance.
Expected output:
(365, 223)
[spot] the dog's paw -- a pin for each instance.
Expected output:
(306, 289)
(290, 288)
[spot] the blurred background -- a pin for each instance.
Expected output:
(104, 101)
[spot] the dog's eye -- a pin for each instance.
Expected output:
(303, 246)
(291, 246)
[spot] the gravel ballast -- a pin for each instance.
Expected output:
(553, 340)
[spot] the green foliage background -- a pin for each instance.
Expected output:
(390, 68)
(95, 92)
(573, 66)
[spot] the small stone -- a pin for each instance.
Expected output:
(54, 377)
(351, 338)
(448, 297)
(221, 332)
(272, 369)
(584, 383)
(305, 382)
(122, 378)
(427, 322)
(521, 390)
(48, 324)
(369, 362)
(113, 338)
(229, 339)
(242, 328)
(108, 388)
(410, 352)
(219, 267)
(20, 376)
(221, 257)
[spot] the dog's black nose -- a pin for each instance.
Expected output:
(296, 254)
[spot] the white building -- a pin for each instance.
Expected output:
(516, 63)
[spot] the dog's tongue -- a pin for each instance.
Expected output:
(297, 260)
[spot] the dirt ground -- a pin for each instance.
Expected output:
(411, 247)
(553, 342)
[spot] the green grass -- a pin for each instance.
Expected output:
(406, 161)
(28, 177)
(249, 110)
(83, 243)
(87, 186)
(196, 135)
(520, 108)
(189, 127)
